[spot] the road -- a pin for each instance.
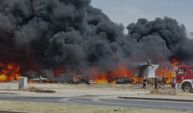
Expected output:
(104, 100)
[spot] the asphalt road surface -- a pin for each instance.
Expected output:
(104, 100)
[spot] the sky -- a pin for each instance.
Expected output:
(128, 11)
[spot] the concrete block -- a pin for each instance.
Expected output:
(23, 83)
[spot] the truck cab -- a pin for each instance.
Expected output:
(184, 78)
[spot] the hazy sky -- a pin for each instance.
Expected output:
(128, 11)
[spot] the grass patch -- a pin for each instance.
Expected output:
(31, 107)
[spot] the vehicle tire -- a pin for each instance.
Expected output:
(187, 87)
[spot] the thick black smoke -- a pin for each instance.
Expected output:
(67, 33)
(75, 36)
(163, 38)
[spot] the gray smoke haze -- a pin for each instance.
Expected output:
(74, 35)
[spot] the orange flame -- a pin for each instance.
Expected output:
(122, 71)
(99, 77)
(9, 72)
(110, 76)
(166, 74)
(102, 80)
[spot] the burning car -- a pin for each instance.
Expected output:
(123, 80)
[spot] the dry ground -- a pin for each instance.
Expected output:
(30, 107)
(66, 90)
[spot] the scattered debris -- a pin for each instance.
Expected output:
(163, 91)
(38, 90)
(39, 80)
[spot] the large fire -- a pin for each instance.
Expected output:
(167, 74)
(110, 76)
(9, 72)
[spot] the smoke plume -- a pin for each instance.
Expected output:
(163, 38)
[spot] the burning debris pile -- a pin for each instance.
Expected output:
(9, 72)
(71, 37)
(110, 76)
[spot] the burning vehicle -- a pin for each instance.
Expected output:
(123, 80)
